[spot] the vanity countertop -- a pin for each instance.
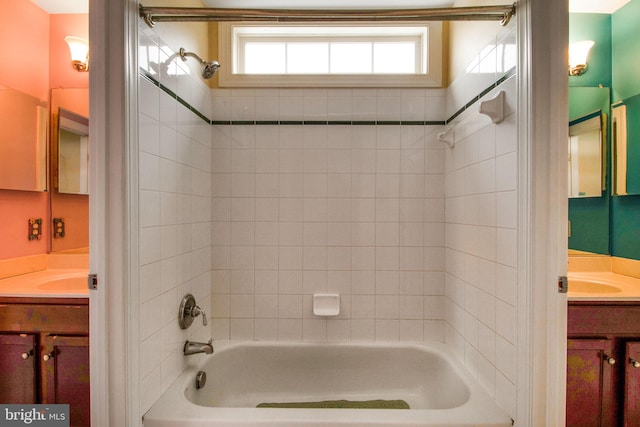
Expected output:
(48, 283)
(603, 286)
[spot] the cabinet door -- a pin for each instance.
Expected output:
(589, 383)
(18, 368)
(65, 375)
(632, 385)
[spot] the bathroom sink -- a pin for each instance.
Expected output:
(64, 284)
(588, 286)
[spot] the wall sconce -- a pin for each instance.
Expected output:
(79, 49)
(578, 53)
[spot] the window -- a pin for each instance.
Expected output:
(327, 55)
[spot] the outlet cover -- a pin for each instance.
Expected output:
(35, 228)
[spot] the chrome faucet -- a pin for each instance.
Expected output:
(198, 347)
(188, 311)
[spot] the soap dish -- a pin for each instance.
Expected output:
(326, 304)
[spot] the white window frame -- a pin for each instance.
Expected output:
(431, 76)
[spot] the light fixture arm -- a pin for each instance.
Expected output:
(80, 66)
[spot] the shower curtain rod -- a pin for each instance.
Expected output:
(152, 15)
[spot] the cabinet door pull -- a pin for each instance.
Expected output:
(48, 356)
(609, 360)
(634, 363)
(26, 354)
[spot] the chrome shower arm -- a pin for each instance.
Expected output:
(183, 55)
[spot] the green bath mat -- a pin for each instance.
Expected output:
(344, 404)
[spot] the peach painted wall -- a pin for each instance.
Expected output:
(61, 73)
(38, 34)
(24, 43)
(16, 207)
(24, 66)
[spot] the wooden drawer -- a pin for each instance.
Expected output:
(589, 319)
(60, 319)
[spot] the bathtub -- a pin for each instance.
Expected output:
(242, 375)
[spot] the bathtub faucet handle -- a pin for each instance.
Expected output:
(188, 311)
(196, 311)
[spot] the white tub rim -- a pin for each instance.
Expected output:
(479, 409)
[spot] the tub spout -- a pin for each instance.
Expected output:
(198, 347)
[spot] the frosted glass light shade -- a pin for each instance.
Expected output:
(578, 54)
(79, 49)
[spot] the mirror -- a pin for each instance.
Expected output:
(73, 153)
(589, 113)
(588, 117)
(69, 166)
(626, 146)
(23, 141)
(586, 145)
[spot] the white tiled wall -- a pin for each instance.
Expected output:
(329, 104)
(304, 209)
(481, 235)
(419, 240)
(360, 210)
(174, 215)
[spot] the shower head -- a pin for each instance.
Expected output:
(208, 68)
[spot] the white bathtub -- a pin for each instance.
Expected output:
(242, 375)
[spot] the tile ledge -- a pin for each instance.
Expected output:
(28, 264)
(584, 263)
(68, 260)
(11, 267)
(626, 267)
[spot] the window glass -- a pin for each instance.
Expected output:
(327, 55)
(261, 58)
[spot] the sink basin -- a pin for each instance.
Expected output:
(588, 286)
(64, 284)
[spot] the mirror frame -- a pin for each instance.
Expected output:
(79, 125)
(580, 126)
(625, 146)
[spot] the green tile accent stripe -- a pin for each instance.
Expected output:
(477, 98)
(473, 100)
(172, 94)
(329, 122)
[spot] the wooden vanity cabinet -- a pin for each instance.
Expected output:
(603, 382)
(632, 381)
(44, 353)
(18, 369)
(589, 383)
